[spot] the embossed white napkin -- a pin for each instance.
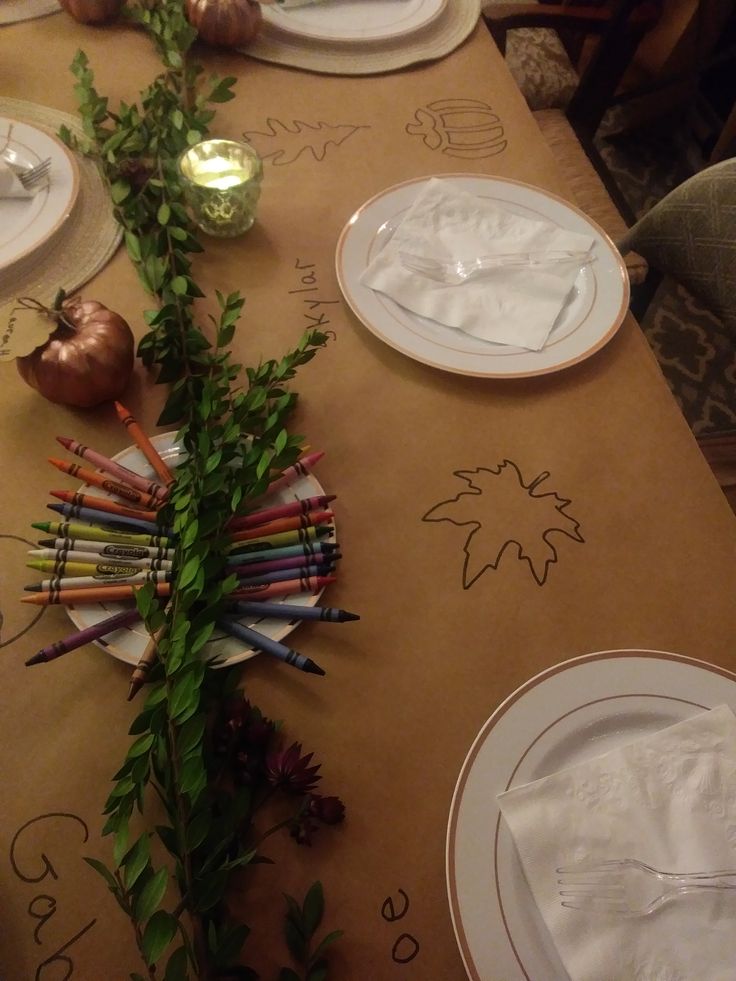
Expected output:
(10, 186)
(517, 305)
(668, 799)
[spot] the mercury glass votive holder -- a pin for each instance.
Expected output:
(222, 185)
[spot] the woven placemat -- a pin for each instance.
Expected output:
(90, 235)
(439, 38)
(13, 11)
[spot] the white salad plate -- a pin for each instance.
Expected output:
(28, 224)
(354, 20)
(569, 713)
(129, 643)
(592, 315)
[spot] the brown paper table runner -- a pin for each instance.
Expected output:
(410, 684)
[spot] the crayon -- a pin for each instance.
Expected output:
(144, 444)
(100, 570)
(96, 533)
(296, 537)
(146, 661)
(295, 562)
(301, 468)
(136, 578)
(289, 611)
(267, 590)
(119, 489)
(117, 522)
(269, 646)
(294, 523)
(96, 594)
(94, 563)
(103, 504)
(116, 470)
(111, 550)
(81, 637)
(283, 575)
(305, 549)
(303, 506)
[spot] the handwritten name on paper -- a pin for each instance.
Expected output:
(405, 947)
(31, 864)
(314, 315)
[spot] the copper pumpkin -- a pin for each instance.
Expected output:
(92, 11)
(228, 23)
(87, 360)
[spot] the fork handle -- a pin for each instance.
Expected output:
(725, 879)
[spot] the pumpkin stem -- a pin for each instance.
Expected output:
(54, 313)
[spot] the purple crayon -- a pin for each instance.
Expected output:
(86, 636)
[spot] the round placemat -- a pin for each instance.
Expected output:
(90, 235)
(13, 11)
(439, 38)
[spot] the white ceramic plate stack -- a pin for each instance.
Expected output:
(354, 21)
(31, 227)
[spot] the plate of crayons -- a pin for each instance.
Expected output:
(107, 541)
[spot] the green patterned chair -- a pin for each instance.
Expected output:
(690, 236)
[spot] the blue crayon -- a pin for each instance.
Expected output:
(105, 519)
(269, 646)
(308, 549)
(289, 611)
(283, 575)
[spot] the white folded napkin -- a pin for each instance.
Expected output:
(667, 799)
(517, 305)
(10, 186)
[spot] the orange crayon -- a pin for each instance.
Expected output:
(92, 594)
(144, 444)
(267, 590)
(116, 487)
(283, 524)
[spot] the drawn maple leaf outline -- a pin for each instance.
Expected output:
(506, 511)
(282, 144)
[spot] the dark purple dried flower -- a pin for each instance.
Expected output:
(290, 771)
(328, 810)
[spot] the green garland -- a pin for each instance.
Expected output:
(232, 425)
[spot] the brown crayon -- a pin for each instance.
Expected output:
(145, 663)
(144, 444)
(103, 504)
(93, 594)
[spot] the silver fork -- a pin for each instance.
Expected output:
(457, 271)
(628, 887)
(32, 177)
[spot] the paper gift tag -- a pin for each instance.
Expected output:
(22, 330)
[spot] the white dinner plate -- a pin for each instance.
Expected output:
(590, 318)
(354, 20)
(26, 224)
(571, 712)
(128, 644)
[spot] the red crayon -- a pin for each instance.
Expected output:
(268, 590)
(283, 524)
(301, 468)
(116, 470)
(302, 506)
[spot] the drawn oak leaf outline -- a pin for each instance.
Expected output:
(506, 511)
(283, 144)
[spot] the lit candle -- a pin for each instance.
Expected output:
(222, 184)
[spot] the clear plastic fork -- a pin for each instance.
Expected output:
(628, 887)
(457, 271)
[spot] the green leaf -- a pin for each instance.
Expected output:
(179, 285)
(163, 214)
(137, 859)
(119, 191)
(313, 908)
(151, 895)
(287, 974)
(140, 746)
(177, 966)
(103, 870)
(325, 943)
(158, 934)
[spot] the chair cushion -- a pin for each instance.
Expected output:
(541, 68)
(690, 235)
(589, 191)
